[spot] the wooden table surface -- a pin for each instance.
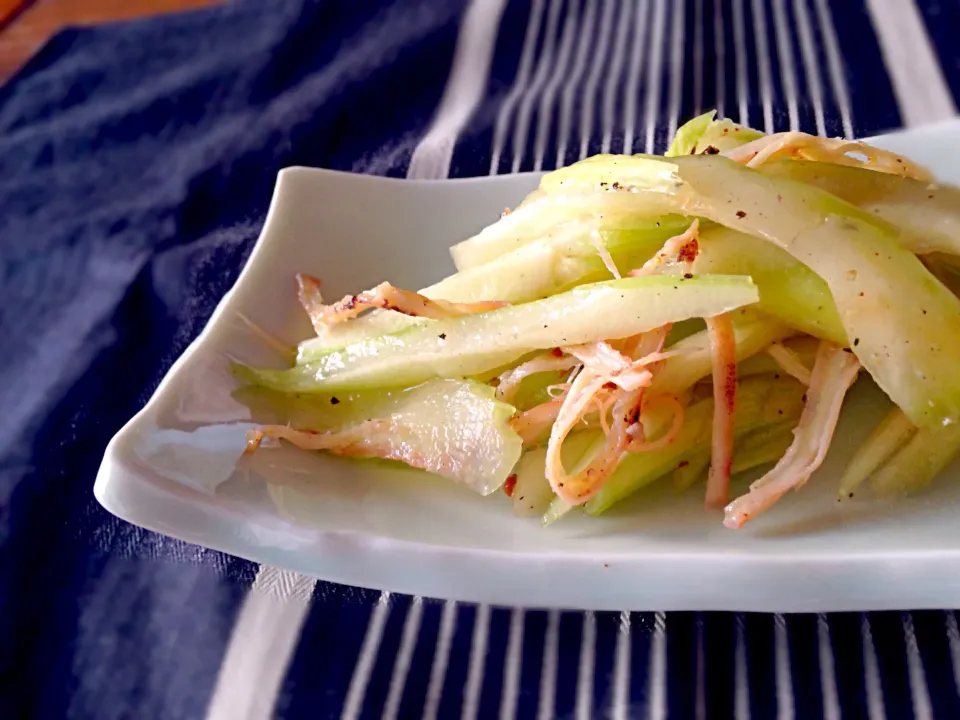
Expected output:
(25, 25)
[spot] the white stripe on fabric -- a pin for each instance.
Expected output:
(654, 76)
(598, 59)
(570, 87)
(657, 676)
(811, 67)
(700, 700)
(763, 64)
(469, 71)
(609, 111)
(261, 646)
(697, 57)
(408, 641)
(788, 73)
(871, 673)
(741, 683)
(548, 669)
(781, 643)
(740, 62)
(720, 50)
(588, 641)
(357, 690)
(441, 657)
(621, 671)
(915, 73)
(953, 639)
(633, 77)
(519, 85)
(545, 111)
(835, 65)
(544, 64)
(511, 669)
(676, 68)
(919, 693)
(477, 664)
(828, 677)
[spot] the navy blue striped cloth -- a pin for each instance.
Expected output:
(136, 166)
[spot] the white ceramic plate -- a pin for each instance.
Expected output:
(175, 467)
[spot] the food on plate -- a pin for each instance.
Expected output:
(638, 319)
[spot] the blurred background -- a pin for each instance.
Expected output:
(139, 145)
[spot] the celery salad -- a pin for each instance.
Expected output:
(638, 319)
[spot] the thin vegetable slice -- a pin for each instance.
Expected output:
(471, 344)
(453, 428)
(692, 356)
(919, 461)
(893, 432)
(928, 213)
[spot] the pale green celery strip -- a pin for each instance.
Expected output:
(893, 432)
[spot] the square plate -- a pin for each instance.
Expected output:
(176, 467)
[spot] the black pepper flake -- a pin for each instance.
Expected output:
(442, 336)
(741, 214)
(929, 197)
(779, 412)
(615, 186)
(776, 376)
(779, 197)
(687, 276)
(850, 495)
(658, 223)
(804, 398)
(856, 341)
(711, 150)
(334, 401)
(924, 312)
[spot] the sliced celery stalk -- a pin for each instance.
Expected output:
(903, 324)
(555, 219)
(371, 325)
(918, 462)
(454, 428)
(471, 344)
(533, 494)
(760, 402)
(690, 469)
(762, 446)
(547, 266)
(688, 135)
(537, 270)
(893, 432)
(929, 214)
(694, 359)
(725, 135)
(789, 290)
(804, 346)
